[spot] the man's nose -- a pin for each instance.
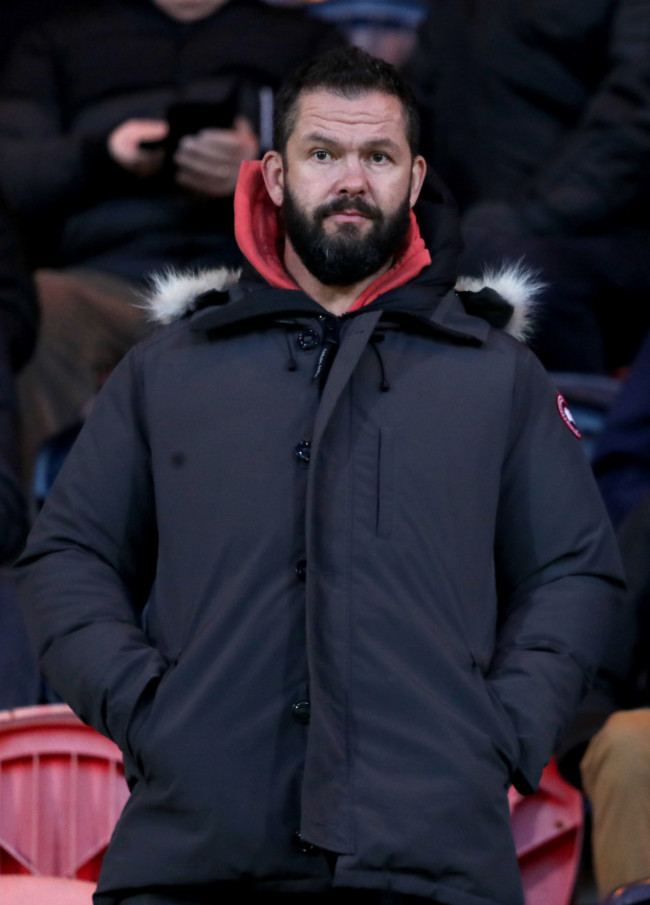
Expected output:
(352, 178)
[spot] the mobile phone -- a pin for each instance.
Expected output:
(190, 117)
(157, 144)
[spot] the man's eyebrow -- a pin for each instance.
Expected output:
(320, 138)
(383, 142)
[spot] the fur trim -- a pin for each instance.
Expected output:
(172, 293)
(519, 286)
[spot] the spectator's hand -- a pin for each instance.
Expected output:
(208, 163)
(124, 146)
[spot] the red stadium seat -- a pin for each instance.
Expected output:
(24, 889)
(62, 789)
(548, 830)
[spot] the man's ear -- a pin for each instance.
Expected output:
(273, 173)
(418, 172)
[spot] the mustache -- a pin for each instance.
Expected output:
(338, 205)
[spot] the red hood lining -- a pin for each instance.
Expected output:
(259, 234)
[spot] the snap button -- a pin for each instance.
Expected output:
(306, 848)
(301, 711)
(301, 570)
(308, 340)
(302, 451)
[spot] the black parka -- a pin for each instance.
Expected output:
(324, 610)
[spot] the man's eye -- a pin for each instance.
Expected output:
(378, 157)
(322, 155)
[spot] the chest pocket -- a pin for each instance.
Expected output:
(385, 482)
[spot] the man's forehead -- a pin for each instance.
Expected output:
(323, 108)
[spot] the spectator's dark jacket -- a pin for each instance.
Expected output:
(18, 306)
(621, 458)
(541, 103)
(18, 327)
(378, 582)
(73, 79)
(13, 512)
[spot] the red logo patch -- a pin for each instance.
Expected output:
(567, 417)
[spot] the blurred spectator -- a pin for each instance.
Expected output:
(80, 94)
(19, 679)
(18, 16)
(538, 116)
(18, 326)
(385, 28)
(621, 458)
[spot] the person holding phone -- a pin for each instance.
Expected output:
(82, 97)
(203, 142)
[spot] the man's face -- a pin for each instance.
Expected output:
(189, 10)
(345, 184)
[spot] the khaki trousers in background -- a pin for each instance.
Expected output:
(88, 321)
(616, 779)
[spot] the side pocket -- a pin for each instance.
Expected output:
(385, 483)
(502, 730)
(138, 719)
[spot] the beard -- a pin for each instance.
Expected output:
(346, 256)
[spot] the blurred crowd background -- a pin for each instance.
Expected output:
(536, 113)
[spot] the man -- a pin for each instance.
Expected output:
(86, 97)
(327, 560)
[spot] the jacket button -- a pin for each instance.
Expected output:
(306, 848)
(301, 711)
(302, 451)
(301, 570)
(308, 340)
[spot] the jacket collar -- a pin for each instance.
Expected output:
(409, 304)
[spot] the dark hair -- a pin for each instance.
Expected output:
(349, 72)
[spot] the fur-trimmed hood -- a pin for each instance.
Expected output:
(174, 294)
(504, 298)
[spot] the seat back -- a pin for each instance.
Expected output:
(548, 831)
(62, 789)
(24, 889)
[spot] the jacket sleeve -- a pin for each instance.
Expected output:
(603, 163)
(88, 566)
(622, 677)
(559, 576)
(45, 167)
